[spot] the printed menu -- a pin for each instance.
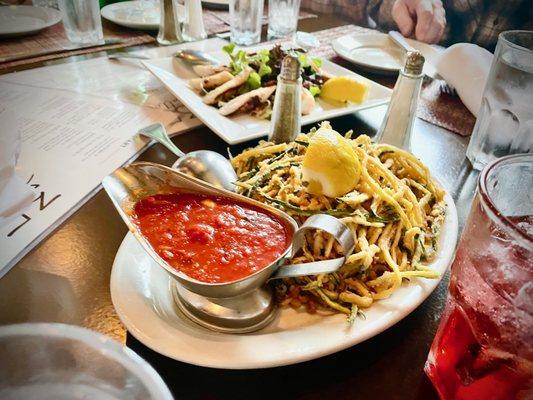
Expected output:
(78, 123)
(70, 142)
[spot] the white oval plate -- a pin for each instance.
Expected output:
(377, 51)
(143, 15)
(25, 20)
(140, 291)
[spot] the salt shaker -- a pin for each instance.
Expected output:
(397, 125)
(193, 28)
(169, 27)
(285, 123)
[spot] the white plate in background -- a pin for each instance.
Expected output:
(140, 291)
(143, 15)
(25, 20)
(377, 51)
(174, 74)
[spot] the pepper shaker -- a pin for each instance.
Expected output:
(169, 26)
(285, 123)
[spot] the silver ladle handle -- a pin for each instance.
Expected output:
(158, 133)
(326, 223)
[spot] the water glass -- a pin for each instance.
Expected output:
(81, 19)
(484, 344)
(245, 19)
(49, 361)
(282, 18)
(505, 120)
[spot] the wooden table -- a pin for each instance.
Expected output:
(66, 279)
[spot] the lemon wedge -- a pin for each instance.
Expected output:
(330, 165)
(344, 88)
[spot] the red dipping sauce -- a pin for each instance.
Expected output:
(208, 238)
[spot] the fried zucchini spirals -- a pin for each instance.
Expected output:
(395, 213)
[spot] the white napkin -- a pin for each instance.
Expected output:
(466, 67)
(15, 194)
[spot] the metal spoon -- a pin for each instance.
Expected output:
(196, 57)
(206, 165)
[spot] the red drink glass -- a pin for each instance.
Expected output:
(484, 345)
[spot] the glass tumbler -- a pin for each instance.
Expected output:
(82, 22)
(483, 349)
(49, 361)
(505, 120)
(282, 18)
(245, 19)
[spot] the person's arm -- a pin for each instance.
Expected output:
(423, 20)
(352, 10)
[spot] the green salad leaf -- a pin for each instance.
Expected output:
(266, 65)
(239, 58)
(254, 81)
(315, 90)
(317, 62)
(229, 48)
(264, 70)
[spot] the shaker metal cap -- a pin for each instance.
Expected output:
(290, 68)
(414, 63)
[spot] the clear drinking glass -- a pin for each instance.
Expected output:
(282, 18)
(483, 348)
(48, 361)
(245, 19)
(81, 19)
(505, 121)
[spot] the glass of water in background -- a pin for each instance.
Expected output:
(81, 19)
(282, 18)
(505, 120)
(49, 361)
(245, 19)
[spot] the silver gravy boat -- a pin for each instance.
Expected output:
(239, 306)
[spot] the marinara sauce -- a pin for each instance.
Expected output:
(208, 238)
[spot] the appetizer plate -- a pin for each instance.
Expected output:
(174, 74)
(25, 20)
(141, 294)
(133, 14)
(377, 51)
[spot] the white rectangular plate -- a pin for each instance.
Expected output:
(174, 74)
